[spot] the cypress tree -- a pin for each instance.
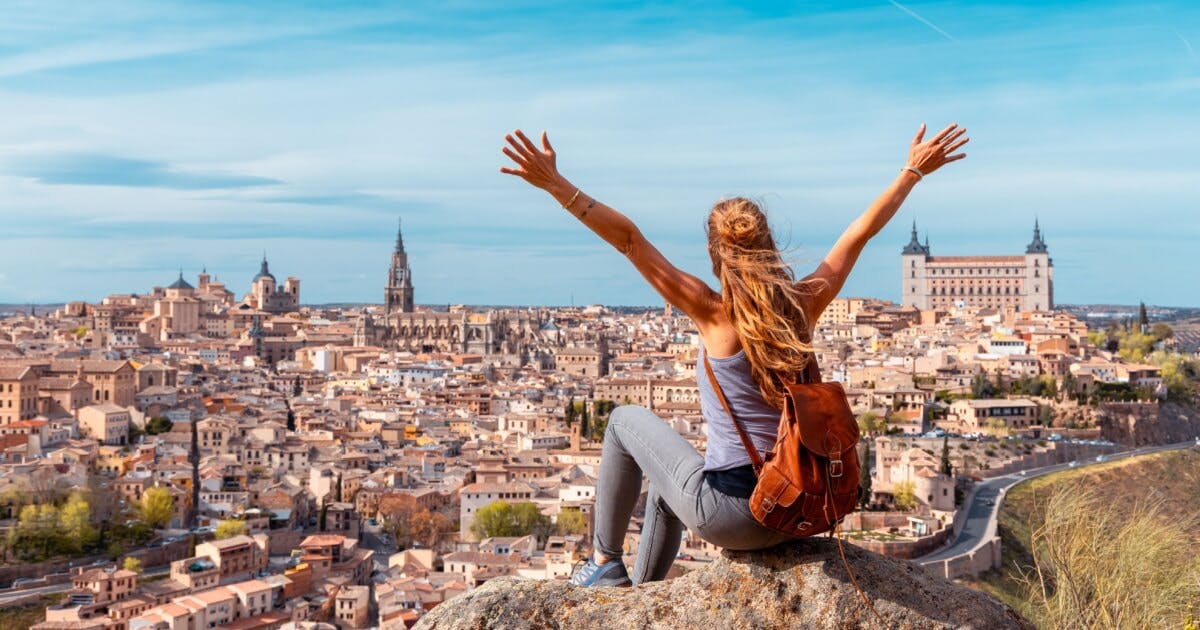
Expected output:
(583, 421)
(946, 468)
(864, 477)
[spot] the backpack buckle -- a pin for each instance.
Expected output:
(835, 468)
(767, 504)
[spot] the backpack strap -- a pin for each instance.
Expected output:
(755, 457)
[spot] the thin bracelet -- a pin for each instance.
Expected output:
(567, 206)
(914, 169)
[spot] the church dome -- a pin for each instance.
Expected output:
(263, 271)
(180, 283)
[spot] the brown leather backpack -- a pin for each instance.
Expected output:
(808, 482)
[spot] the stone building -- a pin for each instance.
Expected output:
(1017, 283)
(267, 297)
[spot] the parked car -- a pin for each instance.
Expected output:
(1073, 464)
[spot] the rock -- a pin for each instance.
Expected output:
(798, 585)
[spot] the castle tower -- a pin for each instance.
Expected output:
(398, 296)
(1039, 274)
(913, 261)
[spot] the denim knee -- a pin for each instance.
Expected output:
(624, 415)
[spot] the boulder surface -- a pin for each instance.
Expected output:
(802, 584)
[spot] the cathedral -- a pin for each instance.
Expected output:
(265, 296)
(1018, 283)
(457, 329)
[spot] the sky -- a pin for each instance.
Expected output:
(138, 139)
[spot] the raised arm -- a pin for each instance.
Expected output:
(538, 166)
(924, 157)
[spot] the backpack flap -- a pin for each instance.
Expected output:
(823, 418)
(774, 489)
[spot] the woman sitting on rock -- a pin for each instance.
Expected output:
(756, 331)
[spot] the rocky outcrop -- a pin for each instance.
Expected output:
(798, 585)
(1144, 424)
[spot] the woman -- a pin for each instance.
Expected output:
(756, 332)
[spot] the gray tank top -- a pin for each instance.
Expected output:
(760, 420)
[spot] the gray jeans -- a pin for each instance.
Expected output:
(638, 442)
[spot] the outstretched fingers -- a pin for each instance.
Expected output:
(519, 147)
(943, 133)
(522, 162)
(920, 135)
(529, 146)
(546, 143)
(951, 148)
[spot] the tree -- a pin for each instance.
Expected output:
(584, 429)
(296, 388)
(1161, 331)
(75, 521)
(337, 489)
(1143, 319)
(946, 468)
(598, 429)
(291, 419)
(864, 477)
(428, 528)
(570, 522)
(508, 519)
(157, 507)
(569, 413)
(158, 424)
(870, 423)
(981, 387)
(905, 495)
(604, 407)
(132, 564)
(229, 528)
(399, 523)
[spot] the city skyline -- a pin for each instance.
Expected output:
(142, 138)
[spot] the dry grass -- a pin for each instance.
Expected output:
(1107, 546)
(1095, 567)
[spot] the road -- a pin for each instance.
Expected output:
(985, 508)
(8, 596)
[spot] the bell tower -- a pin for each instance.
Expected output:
(398, 296)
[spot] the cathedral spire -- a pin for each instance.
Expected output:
(399, 237)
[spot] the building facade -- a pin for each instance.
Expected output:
(266, 296)
(1017, 283)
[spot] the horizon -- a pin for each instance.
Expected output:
(144, 138)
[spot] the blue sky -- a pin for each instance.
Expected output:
(137, 138)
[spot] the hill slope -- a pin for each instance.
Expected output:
(1171, 478)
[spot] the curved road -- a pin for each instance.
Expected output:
(981, 517)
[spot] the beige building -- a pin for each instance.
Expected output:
(237, 558)
(1017, 283)
(977, 415)
(112, 381)
(18, 393)
(106, 423)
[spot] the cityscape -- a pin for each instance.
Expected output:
(180, 457)
(305, 323)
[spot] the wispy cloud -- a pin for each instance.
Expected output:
(924, 21)
(96, 169)
(1186, 44)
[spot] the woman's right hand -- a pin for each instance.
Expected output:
(930, 155)
(534, 165)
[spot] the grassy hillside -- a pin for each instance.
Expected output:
(1169, 480)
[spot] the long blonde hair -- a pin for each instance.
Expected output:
(760, 295)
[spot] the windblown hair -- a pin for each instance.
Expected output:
(760, 295)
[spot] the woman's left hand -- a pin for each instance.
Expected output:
(536, 166)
